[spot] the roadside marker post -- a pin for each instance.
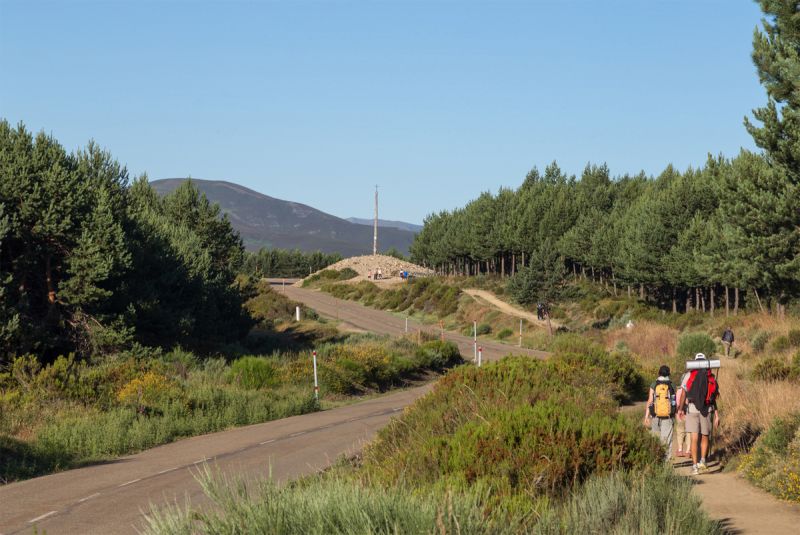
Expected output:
(283, 286)
(297, 313)
(520, 333)
(316, 384)
(480, 356)
(406, 325)
(441, 326)
(475, 341)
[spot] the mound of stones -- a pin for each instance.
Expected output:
(389, 266)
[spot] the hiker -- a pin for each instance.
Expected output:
(379, 274)
(701, 392)
(680, 424)
(539, 311)
(369, 275)
(727, 341)
(660, 409)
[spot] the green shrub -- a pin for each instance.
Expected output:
(759, 341)
(438, 355)
(780, 344)
(544, 448)
(347, 274)
(690, 344)
(794, 337)
(484, 328)
(253, 373)
(505, 333)
(781, 433)
(498, 412)
(771, 369)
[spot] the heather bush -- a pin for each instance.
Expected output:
(771, 369)
(504, 333)
(489, 426)
(690, 344)
(759, 341)
(253, 372)
(780, 344)
(794, 337)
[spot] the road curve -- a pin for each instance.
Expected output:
(378, 321)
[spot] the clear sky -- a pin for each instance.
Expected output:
(435, 101)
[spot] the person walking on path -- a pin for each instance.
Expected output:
(701, 393)
(660, 410)
(680, 423)
(727, 341)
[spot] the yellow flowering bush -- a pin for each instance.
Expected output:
(774, 461)
(147, 392)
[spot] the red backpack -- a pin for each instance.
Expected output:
(702, 390)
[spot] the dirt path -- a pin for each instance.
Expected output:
(509, 309)
(742, 507)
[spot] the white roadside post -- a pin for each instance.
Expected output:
(316, 385)
(475, 341)
(297, 313)
(520, 333)
(283, 286)
(406, 325)
(480, 356)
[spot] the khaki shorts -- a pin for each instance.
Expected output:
(696, 422)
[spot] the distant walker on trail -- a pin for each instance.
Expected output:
(727, 341)
(661, 408)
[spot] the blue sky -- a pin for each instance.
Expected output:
(435, 101)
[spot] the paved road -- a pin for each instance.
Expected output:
(379, 321)
(109, 498)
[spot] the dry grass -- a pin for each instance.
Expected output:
(649, 340)
(748, 407)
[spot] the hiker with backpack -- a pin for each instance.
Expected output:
(727, 341)
(660, 409)
(701, 392)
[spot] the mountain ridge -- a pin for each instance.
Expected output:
(265, 221)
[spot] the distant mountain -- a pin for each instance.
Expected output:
(402, 225)
(265, 221)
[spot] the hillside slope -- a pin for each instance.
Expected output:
(265, 221)
(402, 225)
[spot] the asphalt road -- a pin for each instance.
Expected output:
(110, 498)
(378, 321)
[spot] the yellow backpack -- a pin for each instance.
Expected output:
(663, 400)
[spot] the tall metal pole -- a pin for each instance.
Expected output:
(375, 225)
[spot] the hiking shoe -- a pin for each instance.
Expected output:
(695, 471)
(701, 467)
